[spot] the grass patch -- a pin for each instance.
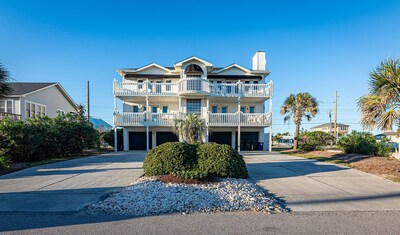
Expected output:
(319, 158)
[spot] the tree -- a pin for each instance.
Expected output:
(380, 108)
(81, 110)
(299, 106)
(5, 89)
(191, 128)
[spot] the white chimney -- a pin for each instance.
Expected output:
(259, 60)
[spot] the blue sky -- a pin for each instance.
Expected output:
(314, 46)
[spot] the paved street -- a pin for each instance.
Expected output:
(309, 185)
(230, 223)
(68, 186)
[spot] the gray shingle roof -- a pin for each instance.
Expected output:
(20, 88)
(327, 125)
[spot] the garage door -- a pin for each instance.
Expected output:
(137, 140)
(248, 140)
(163, 137)
(221, 138)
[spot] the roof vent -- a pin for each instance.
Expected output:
(259, 60)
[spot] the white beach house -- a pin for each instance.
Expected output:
(231, 100)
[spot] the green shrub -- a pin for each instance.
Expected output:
(358, 142)
(221, 160)
(193, 161)
(384, 149)
(364, 143)
(43, 137)
(4, 160)
(169, 158)
(311, 141)
(190, 174)
(108, 137)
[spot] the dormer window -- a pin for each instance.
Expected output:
(193, 69)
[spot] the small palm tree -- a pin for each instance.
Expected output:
(381, 107)
(191, 128)
(81, 110)
(5, 89)
(299, 106)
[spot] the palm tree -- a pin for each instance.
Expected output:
(299, 106)
(5, 89)
(191, 128)
(381, 107)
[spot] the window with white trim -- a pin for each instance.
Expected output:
(34, 109)
(60, 112)
(7, 106)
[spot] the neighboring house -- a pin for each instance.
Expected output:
(286, 140)
(36, 98)
(100, 125)
(230, 99)
(390, 135)
(342, 129)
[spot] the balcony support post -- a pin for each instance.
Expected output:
(147, 123)
(115, 123)
(207, 119)
(270, 125)
(239, 114)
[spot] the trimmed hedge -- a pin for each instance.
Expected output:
(192, 161)
(170, 158)
(221, 160)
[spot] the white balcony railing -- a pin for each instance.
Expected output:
(222, 119)
(192, 85)
(213, 119)
(246, 119)
(145, 88)
(130, 119)
(255, 119)
(163, 119)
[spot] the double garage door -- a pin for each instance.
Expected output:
(248, 140)
(137, 140)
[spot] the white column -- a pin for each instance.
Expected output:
(239, 114)
(207, 120)
(153, 139)
(270, 127)
(147, 124)
(126, 139)
(147, 138)
(115, 124)
(180, 104)
(233, 140)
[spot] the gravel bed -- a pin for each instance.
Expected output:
(149, 196)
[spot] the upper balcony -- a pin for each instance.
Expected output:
(187, 86)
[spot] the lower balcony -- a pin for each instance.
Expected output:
(143, 119)
(212, 119)
(246, 119)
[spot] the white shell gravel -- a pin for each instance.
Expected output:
(149, 196)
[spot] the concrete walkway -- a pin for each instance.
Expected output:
(68, 186)
(308, 185)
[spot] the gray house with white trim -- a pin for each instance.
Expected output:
(36, 98)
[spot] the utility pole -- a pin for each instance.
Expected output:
(335, 125)
(330, 121)
(88, 101)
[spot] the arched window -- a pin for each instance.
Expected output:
(193, 69)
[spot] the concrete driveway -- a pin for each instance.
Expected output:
(309, 185)
(68, 186)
